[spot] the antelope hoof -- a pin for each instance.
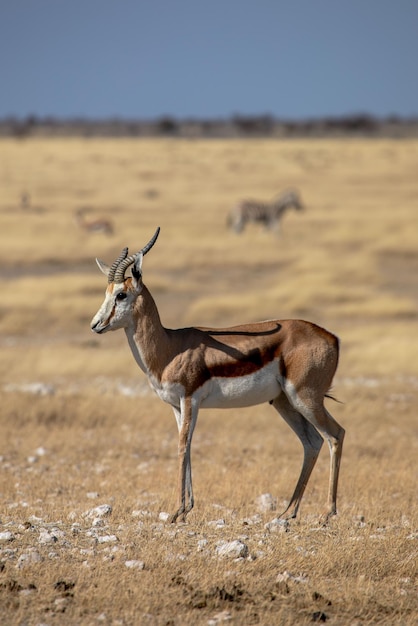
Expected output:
(178, 516)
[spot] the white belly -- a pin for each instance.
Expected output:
(226, 392)
(257, 388)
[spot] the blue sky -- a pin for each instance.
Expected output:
(190, 58)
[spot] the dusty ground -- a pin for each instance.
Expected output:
(88, 454)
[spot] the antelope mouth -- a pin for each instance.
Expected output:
(98, 329)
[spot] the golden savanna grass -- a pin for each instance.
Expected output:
(349, 262)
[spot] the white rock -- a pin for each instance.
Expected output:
(134, 564)
(223, 616)
(144, 513)
(92, 495)
(60, 604)
(250, 521)
(163, 516)
(232, 549)
(103, 510)
(201, 544)
(6, 536)
(277, 525)
(87, 551)
(45, 537)
(107, 539)
(217, 523)
(26, 592)
(266, 502)
(28, 558)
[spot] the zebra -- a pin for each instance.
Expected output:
(269, 214)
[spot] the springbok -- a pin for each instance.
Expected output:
(99, 225)
(268, 214)
(289, 363)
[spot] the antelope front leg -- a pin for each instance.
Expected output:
(186, 420)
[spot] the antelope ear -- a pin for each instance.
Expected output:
(103, 267)
(137, 269)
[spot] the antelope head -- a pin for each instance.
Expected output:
(122, 292)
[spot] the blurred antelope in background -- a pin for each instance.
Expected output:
(288, 363)
(25, 203)
(99, 225)
(268, 214)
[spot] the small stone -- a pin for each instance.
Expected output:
(28, 558)
(201, 544)
(266, 502)
(61, 604)
(223, 616)
(28, 591)
(144, 513)
(46, 537)
(250, 521)
(163, 516)
(6, 536)
(107, 539)
(232, 549)
(134, 564)
(277, 525)
(217, 523)
(103, 510)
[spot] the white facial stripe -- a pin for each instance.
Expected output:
(113, 313)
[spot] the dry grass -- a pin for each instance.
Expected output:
(349, 262)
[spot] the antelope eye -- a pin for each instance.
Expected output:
(121, 296)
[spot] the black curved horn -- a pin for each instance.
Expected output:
(114, 265)
(151, 242)
(119, 275)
